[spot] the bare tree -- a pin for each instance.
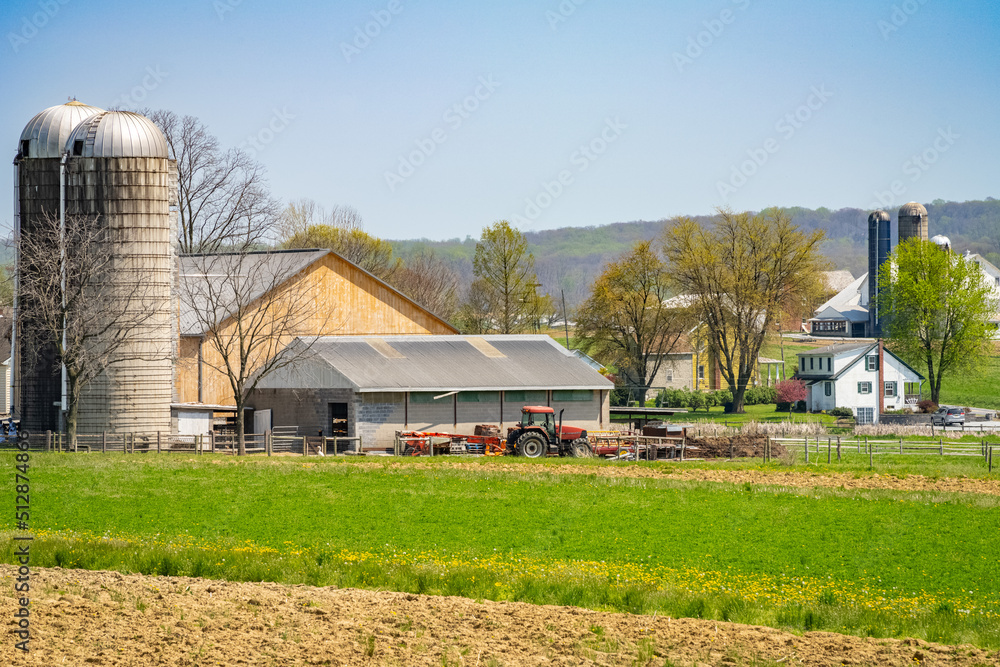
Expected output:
(249, 306)
(82, 301)
(224, 201)
(429, 281)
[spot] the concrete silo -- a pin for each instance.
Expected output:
(912, 221)
(879, 243)
(114, 171)
(35, 389)
(120, 174)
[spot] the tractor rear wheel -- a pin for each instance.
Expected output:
(532, 446)
(580, 448)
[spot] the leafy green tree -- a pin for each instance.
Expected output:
(936, 308)
(739, 270)
(505, 279)
(627, 319)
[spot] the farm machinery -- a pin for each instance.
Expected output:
(536, 435)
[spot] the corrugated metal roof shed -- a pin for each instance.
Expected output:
(438, 363)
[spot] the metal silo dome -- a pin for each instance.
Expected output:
(47, 132)
(117, 134)
(878, 216)
(912, 209)
(942, 241)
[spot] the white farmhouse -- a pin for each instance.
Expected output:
(864, 377)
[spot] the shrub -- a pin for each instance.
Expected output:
(842, 412)
(723, 396)
(758, 395)
(927, 406)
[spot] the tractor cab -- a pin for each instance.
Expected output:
(540, 416)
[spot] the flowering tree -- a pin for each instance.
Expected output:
(790, 391)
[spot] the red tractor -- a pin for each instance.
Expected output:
(538, 434)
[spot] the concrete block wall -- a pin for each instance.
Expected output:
(309, 409)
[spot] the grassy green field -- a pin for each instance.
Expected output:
(869, 562)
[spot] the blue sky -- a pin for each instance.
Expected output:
(434, 119)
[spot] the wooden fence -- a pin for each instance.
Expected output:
(836, 448)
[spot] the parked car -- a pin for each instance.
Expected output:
(946, 416)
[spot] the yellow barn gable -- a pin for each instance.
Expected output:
(343, 299)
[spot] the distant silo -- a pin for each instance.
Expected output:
(115, 169)
(942, 242)
(37, 388)
(879, 242)
(912, 221)
(120, 173)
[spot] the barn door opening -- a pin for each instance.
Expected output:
(338, 420)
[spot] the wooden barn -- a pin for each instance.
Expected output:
(330, 295)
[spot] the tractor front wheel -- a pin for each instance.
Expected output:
(580, 448)
(532, 446)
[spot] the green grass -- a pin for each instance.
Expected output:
(526, 535)
(976, 390)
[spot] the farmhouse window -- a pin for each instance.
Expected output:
(701, 372)
(872, 362)
(864, 387)
(669, 375)
(810, 363)
(828, 388)
(890, 389)
(866, 415)
(829, 364)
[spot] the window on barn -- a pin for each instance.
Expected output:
(810, 363)
(568, 395)
(525, 397)
(427, 397)
(864, 387)
(479, 397)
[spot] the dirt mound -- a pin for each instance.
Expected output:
(739, 446)
(106, 618)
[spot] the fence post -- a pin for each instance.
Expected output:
(104, 441)
(869, 445)
(900, 444)
(305, 447)
(991, 459)
(828, 446)
(683, 445)
(211, 441)
(838, 449)
(48, 441)
(941, 445)
(159, 442)
(806, 439)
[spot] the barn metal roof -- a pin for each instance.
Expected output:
(435, 363)
(213, 286)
